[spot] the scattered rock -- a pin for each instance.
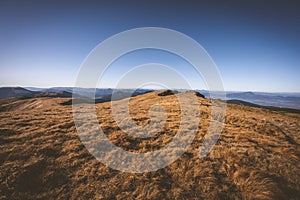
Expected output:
(168, 92)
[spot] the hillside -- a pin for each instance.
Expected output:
(10, 92)
(41, 155)
(6, 92)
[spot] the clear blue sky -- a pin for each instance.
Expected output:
(255, 44)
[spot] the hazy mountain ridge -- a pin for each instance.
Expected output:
(264, 99)
(284, 100)
(6, 92)
(89, 92)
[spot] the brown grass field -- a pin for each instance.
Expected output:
(42, 157)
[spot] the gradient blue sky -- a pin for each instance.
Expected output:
(255, 44)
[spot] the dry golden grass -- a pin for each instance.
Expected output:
(41, 155)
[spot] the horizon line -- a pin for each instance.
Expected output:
(10, 86)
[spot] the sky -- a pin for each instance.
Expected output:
(254, 44)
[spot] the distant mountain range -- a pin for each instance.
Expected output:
(254, 99)
(283, 100)
(245, 103)
(91, 95)
(6, 92)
